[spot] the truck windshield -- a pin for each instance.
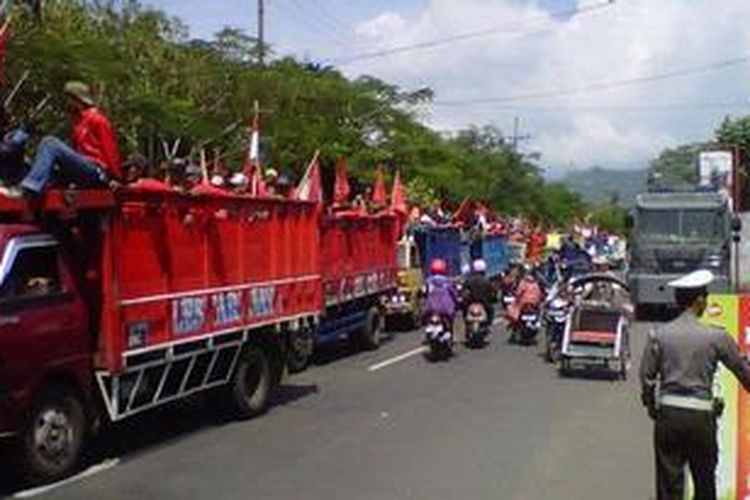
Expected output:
(681, 226)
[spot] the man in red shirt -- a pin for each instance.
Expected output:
(92, 162)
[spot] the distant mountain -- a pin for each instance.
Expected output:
(599, 185)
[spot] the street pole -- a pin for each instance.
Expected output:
(261, 37)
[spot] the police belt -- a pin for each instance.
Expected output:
(686, 402)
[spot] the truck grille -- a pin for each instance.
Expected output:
(678, 260)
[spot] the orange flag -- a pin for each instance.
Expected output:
(398, 196)
(341, 189)
(379, 196)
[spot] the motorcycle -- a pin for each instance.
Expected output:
(507, 293)
(477, 325)
(439, 338)
(555, 319)
(529, 324)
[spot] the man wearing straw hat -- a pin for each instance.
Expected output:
(93, 161)
(677, 371)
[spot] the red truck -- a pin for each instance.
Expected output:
(114, 304)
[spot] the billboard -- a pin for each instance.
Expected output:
(716, 171)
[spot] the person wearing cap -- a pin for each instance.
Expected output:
(93, 161)
(676, 375)
(270, 180)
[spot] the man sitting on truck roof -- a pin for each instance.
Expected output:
(93, 161)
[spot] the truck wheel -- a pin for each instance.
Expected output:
(300, 351)
(53, 440)
(251, 385)
(372, 331)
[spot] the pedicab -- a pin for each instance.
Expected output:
(596, 331)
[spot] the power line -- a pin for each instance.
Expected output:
(570, 12)
(311, 14)
(606, 85)
(654, 108)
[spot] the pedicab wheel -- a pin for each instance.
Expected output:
(250, 388)
(564, 366)
(372, 332)
(53, 440)
(548, 350)
(623, 368)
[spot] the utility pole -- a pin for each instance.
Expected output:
(516, 138)
(261, 37)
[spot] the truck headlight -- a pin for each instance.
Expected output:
(714, 261)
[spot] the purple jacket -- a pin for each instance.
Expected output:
(442, 296)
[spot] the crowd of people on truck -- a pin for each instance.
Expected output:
(92, 160)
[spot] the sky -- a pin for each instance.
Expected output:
(591, 82)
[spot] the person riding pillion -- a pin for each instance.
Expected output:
(93, 160)
(676, 375)
(480, 289)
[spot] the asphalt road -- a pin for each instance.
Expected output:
(491, 424)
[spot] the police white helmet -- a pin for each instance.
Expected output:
(697, 279)
(479, 266)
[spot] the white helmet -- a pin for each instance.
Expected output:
(479, 266)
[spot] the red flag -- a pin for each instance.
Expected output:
(341, 189)
(465, 211)
(398, 196)
(310, 187)
(379, 196)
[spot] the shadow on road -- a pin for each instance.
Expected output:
(152, 430)
(591, 373)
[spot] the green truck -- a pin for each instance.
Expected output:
(674, 233)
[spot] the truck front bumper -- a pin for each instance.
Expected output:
(653, 289)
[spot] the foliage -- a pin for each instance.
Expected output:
(609, 217)
(160, 87)
(677, 166)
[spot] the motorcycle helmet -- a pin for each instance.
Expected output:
(479, 266)
(438, 266)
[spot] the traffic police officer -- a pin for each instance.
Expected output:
(677, 371)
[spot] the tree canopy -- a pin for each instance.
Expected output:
(160, 86)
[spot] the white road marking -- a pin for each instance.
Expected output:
(396, 359)
(94, 469)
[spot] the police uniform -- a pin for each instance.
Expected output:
(676, 375)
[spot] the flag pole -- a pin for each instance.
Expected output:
(204, 166)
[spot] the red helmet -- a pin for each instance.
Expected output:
(438, 266)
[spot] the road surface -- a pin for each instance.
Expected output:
(491, 424)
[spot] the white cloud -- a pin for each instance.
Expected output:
(630, 39)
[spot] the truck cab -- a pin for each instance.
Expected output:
(45, 347)
(674, 234)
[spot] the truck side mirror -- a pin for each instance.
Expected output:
(736, 224)
(629, 222)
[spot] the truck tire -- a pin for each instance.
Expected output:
(372, 332)
(53, 439)
(251, 385)
(300, 350)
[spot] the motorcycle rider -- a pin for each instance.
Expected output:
(528, 293)
(479, 289)
(441, 294)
